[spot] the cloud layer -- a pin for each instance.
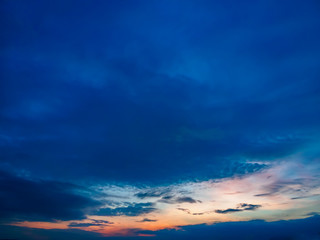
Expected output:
(24, 199)
(112, 93)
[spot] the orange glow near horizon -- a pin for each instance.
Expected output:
(275, 191)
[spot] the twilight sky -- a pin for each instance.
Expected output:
(158, 119)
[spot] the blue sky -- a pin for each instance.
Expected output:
(125, 111)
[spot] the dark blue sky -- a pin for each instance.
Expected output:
(150, 90)
(153, 93)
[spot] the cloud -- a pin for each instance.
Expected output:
(241, 207)
(169, 116)
(184, 210)
(256, 229)
(132, 210)
(246, 206)
(24, 233)
(101, 221)
(186, 200)
(92, 223)
(152, 193)
(173, 200)
(148, 220)
(24, 199)
(75, 224)
(195, 214)
(298, 186)
(166, 195)
(229, 210)
(157, 93)
(263, 194)
(311, 214)
(305, 196)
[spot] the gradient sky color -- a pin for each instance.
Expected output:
(175, 119)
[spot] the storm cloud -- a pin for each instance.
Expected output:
(25, 199)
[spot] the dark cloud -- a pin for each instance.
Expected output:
(246, 206)
(75, 224)
(133, 209)
(148, 220)
(263, 194)
(185, 200)
(92, 223)
(119, 101)
(168, 200)
(195, 214)
(312, 214)
(256, 229)
(101, 221)
(167, 197)
(200, 213)
(152, 193)
(184, 210)
(24, 199)
(305, 196)
(229, 210)
(173, 200)
(24, 233)
(241, 207)
(286, 186)
(279, 230)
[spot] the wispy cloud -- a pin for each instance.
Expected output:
(147, 220)
(174, 200)
(241, 207)
(133, 209)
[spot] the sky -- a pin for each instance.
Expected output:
(149, 119)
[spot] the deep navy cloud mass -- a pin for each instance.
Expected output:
(257, 229)
(153, 91)
(26, 199)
